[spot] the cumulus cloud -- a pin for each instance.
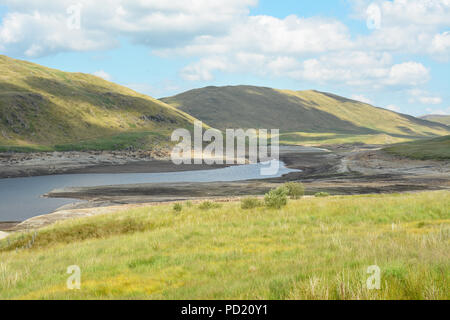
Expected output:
(361, 98)
(102, 74)
(430, 100)
(221, 36)
(393, 108)
(38, 28)
(424, 97)
(409, 26)
(37, 34)
(408, 73)
(445, 112)
(270, 35)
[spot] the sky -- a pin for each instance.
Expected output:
(391, 54)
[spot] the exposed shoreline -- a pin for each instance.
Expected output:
(346, 170)
(15, 165)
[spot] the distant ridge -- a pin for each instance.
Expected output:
(302, 116)
(444, 119)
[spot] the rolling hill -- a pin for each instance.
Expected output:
(308, 117)
(438, 118)
(47, 109)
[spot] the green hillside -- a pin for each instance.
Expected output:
(437, 148)
(309, 117)
(437, 118)
(47, 109)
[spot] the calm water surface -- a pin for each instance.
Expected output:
(21, 198)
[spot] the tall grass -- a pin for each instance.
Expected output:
(314, 248)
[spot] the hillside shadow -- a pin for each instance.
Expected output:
(81, 92)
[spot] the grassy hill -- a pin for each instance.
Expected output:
(428, 149)
(47, 109)
(309, 117)
(315, 248)
(438, 118)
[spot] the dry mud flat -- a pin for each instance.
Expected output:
(345, 170)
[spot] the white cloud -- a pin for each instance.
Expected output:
(430, 100)
(408, 26)
(155, 90)
(38, 28)
(102, 74)
(440, 46)
(445, 112)
(424, 97)
(393, 108)
(407, 73)
(360, 97)
(203, 69)
(221, 36)
(270, 35)
(37, 34)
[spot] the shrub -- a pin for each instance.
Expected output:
(276, 198)
(177, 207)
(321, 194)
(189, 204)
(251, 203)
(209, 205)
(296, 190)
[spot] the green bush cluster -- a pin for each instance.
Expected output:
(322, 194)
(277, 198)
(251, 203)
(177, 207)
(208, 205)
(296, 190)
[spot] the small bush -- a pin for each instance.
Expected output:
(251, 203)
(189, 204)
(322, 194)
(177, 207)
(276, 198)
(208, 205)
(296, 190)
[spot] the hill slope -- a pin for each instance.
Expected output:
(302, 116)
(428, 149)
(42, 107)
(438, 118)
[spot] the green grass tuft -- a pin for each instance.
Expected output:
(429, 149)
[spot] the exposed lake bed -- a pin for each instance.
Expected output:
(21, 198)
(343, 170)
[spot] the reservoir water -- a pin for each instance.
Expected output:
(21, 198)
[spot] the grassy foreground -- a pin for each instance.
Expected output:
(314, 248)
(429, 149)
